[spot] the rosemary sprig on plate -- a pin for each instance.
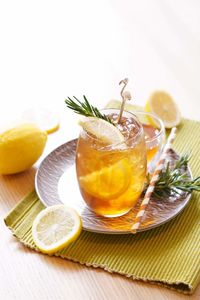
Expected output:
(174, 180)
(85, 108)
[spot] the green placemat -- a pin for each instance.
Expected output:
(168, 255)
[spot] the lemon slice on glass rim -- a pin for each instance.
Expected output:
(56, 227)
(103, 130)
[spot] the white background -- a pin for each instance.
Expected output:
(53, 49)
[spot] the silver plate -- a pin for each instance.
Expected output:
(56, 183)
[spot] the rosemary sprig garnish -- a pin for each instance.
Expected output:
(85, 108)
(174, 179)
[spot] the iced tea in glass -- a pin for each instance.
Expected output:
(154, 133)
(111, 177)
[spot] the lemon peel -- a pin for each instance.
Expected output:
(20, 148)
(161, 104)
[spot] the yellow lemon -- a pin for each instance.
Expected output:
(20, 148)
(109, 182)
(162, 104)
(55, 228)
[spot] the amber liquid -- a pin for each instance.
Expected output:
(110, 179)
(152, 148)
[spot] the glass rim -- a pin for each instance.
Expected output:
(161, 124)
(114, 145)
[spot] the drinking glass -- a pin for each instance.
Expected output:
(154, 132)
(111, 177)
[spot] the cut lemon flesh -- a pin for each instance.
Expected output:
(162, 104)
(108, 182)
(103, 130)
(55, 228)
(44, 118)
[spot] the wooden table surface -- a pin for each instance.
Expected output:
(54, 49)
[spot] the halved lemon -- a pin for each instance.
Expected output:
(45, 119)
(108, 182)
(162, 104)
(103, 130)
(56, 227)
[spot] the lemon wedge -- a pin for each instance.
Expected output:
(109, 182)
(55, 228)
(44, 118)
(103, 130)
(162, 104)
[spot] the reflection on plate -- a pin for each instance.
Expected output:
(56, 183)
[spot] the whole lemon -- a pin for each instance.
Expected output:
(20, 148)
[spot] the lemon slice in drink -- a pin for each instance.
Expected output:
(165, 108)
(55, 228)
(108, 182)
(103, 130)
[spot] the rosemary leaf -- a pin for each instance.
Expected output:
(85, 108)
(175, 180)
